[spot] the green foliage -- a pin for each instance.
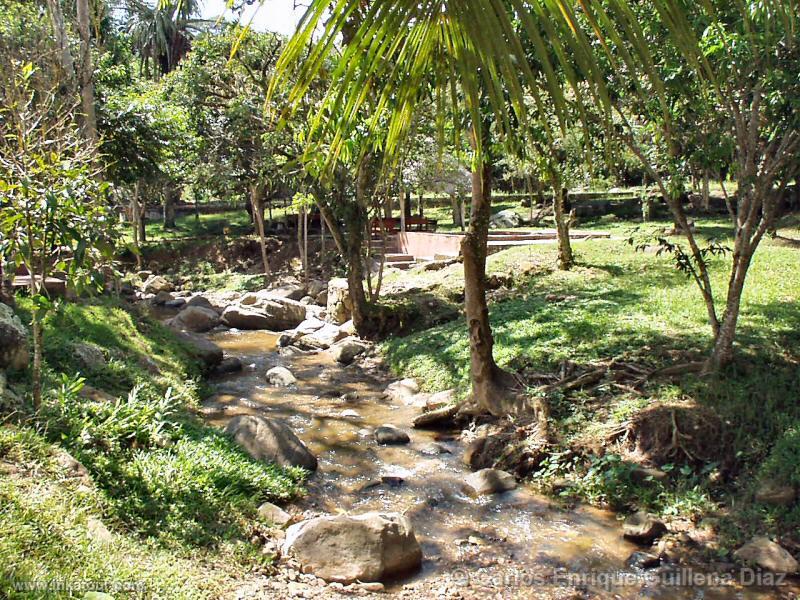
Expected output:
(43, 534)
(55, 215)
(783, 462)
(163, 474)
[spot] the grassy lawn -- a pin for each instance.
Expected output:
(636, 306)
(179, 497)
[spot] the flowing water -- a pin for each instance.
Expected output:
(517, 541)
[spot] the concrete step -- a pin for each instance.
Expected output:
(398, 257)
(402, 265)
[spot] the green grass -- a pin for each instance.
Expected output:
(633, 305)
(235, 222)
(180, 497)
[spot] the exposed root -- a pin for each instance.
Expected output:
(678, 432)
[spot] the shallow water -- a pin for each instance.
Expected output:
(518, 542)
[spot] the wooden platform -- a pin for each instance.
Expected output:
(55, 286)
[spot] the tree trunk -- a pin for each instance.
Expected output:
(355, 268)
(37, 359)
(171, 196)
(455, 204)
(62, 41)
(722, 354)
(86, 73)
(561, 215)
(256, 202)
(490, 385)
(136, 224)
(706, 193)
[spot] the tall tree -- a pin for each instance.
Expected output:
(741, 60)
(467, 51)
(86, 72)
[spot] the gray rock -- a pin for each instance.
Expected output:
(202, 349)
(505, 219)
(436, 418)
(281, 376)
(309, 325)
(642, 560)
(346, 350)
(175, 303)
(197, 319)
(389, 434)
(270, 440)
(321, 299)
(200, 301)
(367, 548)
(643, 528)
(775, 494)
(229, 365)
(490, 481)
(322, 338)
(13, 340)
(89, 355)
(162, 298)
(245, 317)
(316, 287)
(274, 514)
(273, 314)
(403, 389)
(339, 304)
(289, 290)
(764, 553)
(155, 284)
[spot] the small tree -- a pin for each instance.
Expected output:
(53, 215)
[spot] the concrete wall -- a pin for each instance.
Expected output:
(421, 244)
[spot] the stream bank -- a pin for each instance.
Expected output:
(514, 544)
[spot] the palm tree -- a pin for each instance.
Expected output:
(488, 58)
(474, 54)
(162, 32)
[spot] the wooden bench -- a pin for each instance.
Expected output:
(393, 224)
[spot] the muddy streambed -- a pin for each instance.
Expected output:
(518, 542)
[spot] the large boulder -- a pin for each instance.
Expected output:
(340, 305)
(155, 284)
(245, 317)
(643, 528)
(390, 435)
(293, 291)
(323, 338)
(89, 355)
(345, 351)
(402, 389)
(489, 481)
(270, 440)
(275, 314)
(202, 349)
(196, 318)
(281, 376)
(505, 219)
(13, 340)
(764, 553)
(368, 547)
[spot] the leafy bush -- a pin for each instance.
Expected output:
(783, 463)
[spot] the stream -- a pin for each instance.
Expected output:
(518, 541)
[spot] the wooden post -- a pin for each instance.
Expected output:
(403, 200)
